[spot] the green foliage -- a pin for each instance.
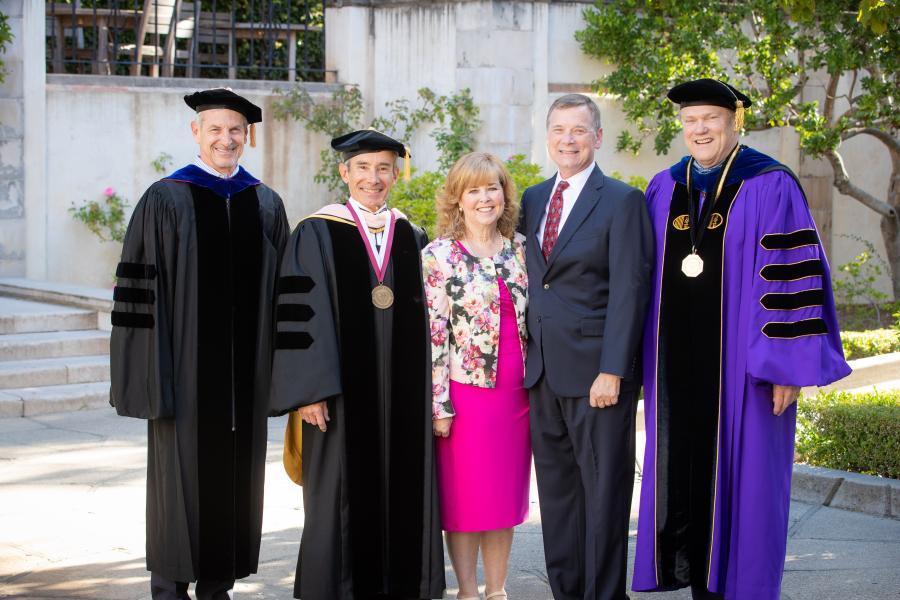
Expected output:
(105, 218)
(862, 317)
(524, 174)
(851, 432)
(455, 117)
(754, 44)
(416, 197)
(878, 14)
(635, 181)
(855, 281)
(6, 37)
(162, 162)
(860, 344)
(342, 113)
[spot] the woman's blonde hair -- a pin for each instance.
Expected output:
(473, 170)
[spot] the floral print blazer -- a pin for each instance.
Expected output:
(464, 309)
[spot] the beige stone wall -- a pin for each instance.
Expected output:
(517, 57)
(105, 132)
(64, 139)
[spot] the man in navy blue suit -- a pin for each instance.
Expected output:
(589, 249)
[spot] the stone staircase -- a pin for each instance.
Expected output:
(52, 358)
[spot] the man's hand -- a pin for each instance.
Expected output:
(315, 414)
(441, 427)
(605, 390)
(782, 397)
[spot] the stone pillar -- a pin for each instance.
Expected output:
(349, 39)
(391, 48)
(22, 143)
(495, 52)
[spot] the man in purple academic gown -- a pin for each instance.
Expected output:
(742, 316)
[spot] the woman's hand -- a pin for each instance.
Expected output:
(441, 427)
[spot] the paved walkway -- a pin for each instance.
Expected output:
(72, 511)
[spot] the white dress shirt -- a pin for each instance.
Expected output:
(376, 239)
(570, 195)
(199, 162)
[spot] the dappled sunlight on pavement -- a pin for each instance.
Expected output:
(72, 490)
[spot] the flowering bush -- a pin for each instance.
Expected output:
(105, 218)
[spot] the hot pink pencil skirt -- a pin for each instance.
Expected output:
(484, 466)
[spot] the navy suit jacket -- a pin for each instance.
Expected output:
(587, 301)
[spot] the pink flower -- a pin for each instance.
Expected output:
(471, 306)
(109, 192)
(483, 320)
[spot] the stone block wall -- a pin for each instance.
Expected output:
(12, 146)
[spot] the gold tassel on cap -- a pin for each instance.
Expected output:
(253, 135)
(406, 167)
(738, 115)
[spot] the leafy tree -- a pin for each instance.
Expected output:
(774, 50)
(456, 117)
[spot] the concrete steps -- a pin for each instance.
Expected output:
(52, 344)
(20, 316)
(53, 371)
(52, 358)
(30, 401)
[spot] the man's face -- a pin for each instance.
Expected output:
(572, 140)
(708, 133)
(370, 177)
(221, 136)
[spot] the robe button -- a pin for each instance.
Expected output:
(546, 286)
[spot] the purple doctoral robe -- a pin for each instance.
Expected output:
(768, 318)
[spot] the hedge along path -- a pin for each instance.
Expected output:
(862, 344)
(857, 432)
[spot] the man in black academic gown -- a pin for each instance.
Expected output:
(191, 352)
(352, 354)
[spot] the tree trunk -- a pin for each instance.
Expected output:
(890, 232)
(890, 226)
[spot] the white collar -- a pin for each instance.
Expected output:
(577, 180)
(200, 163)
(360, 207)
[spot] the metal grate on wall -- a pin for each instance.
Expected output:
(281, 40)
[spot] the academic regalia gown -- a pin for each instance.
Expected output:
(716, 481)
(191, 353)
(372, 524)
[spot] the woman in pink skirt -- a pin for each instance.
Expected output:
(475, 283)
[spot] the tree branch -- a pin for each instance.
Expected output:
(887, 139)
(842, 183)
(830, 93)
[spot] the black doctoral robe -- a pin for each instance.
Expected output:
(372, 523)
(191, 353)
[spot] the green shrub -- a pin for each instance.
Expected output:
(105, 218)
(415, 198)
(851, 432)
(859, 344)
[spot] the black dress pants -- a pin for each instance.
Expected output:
(166, 589)
(584, 460)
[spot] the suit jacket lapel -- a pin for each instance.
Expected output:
(538, 208)
(584, 204)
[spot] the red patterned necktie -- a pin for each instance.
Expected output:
(554, 213)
